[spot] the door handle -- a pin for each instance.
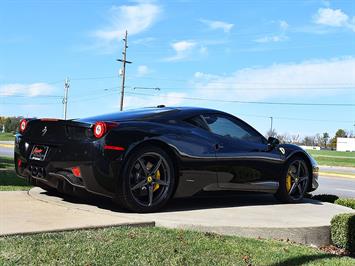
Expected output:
(218, 146)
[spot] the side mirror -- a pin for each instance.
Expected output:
(272, 143)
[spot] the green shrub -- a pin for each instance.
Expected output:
(343, 231)
(325, 198)
(346, 202)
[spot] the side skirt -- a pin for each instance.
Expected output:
(268, 187)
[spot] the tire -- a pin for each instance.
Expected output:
(294, 182)
(147, 181)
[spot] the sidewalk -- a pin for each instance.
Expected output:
(22, 214)
(243, 215)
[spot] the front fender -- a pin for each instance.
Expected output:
(293, 150)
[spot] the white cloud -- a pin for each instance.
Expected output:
(216, 25)
(144, 41)
(29, 90)
(279, 80)
(142, 70)
(275, 38)
(167, 99)
(133, 18)
(334, 18)
(283, 25)
(183, 46)
(182, 50)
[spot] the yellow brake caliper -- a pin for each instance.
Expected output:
(157, 176)
(288, 182)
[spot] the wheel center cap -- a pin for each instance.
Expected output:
(149, 179)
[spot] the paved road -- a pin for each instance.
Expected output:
(8, 152)
(337, 169)
(6, 148)
(342, 187)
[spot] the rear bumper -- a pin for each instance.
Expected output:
(98, 167)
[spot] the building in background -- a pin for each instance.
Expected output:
(346, 144)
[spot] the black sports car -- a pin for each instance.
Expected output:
(143, 158)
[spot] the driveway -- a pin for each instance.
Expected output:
(249, 215)
(22, 214)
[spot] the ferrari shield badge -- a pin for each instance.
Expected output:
(282, 150)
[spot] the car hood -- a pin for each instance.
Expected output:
(291, 149)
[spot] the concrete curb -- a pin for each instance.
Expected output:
(309, 233)
(68, 229)
(314, 236)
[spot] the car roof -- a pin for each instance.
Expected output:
(149, 113)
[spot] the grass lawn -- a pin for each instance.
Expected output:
(7, 136)
(334, 158)
(155, 246)
(8, 179)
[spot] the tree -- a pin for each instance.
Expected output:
(341, 133)
(271, 133)
(319, 140)
(284, 138)
(11, 123)
(295, 139)
(308, 140)
(325, 139)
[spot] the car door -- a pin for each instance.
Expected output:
(244, 161)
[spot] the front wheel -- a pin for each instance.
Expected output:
(148, 180)
(294, 184)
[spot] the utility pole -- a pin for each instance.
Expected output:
(124, 61)
(271, 120)
(65, 99)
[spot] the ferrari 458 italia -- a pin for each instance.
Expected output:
(143, 158)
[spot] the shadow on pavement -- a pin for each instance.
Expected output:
(205, 200)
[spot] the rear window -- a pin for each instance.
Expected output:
(137, 114)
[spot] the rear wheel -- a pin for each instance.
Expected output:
(148, 180)
(294, 183)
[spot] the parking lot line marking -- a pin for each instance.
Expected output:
(7, 145)
(344, 189)
(336, 174)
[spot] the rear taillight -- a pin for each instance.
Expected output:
(101, 128)
(76, 171)
(23, 125)
(19, 164)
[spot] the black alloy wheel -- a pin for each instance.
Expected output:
(148, 180)
(293, 186)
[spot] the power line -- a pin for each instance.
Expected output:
(248, 102)
(252, 83)
(93, 78)
(30, 96)
(255, 88)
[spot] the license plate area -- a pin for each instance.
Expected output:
(39, 152)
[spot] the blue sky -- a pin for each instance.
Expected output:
(199, 53)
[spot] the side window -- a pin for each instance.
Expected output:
(227, 127)
(197, 121)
